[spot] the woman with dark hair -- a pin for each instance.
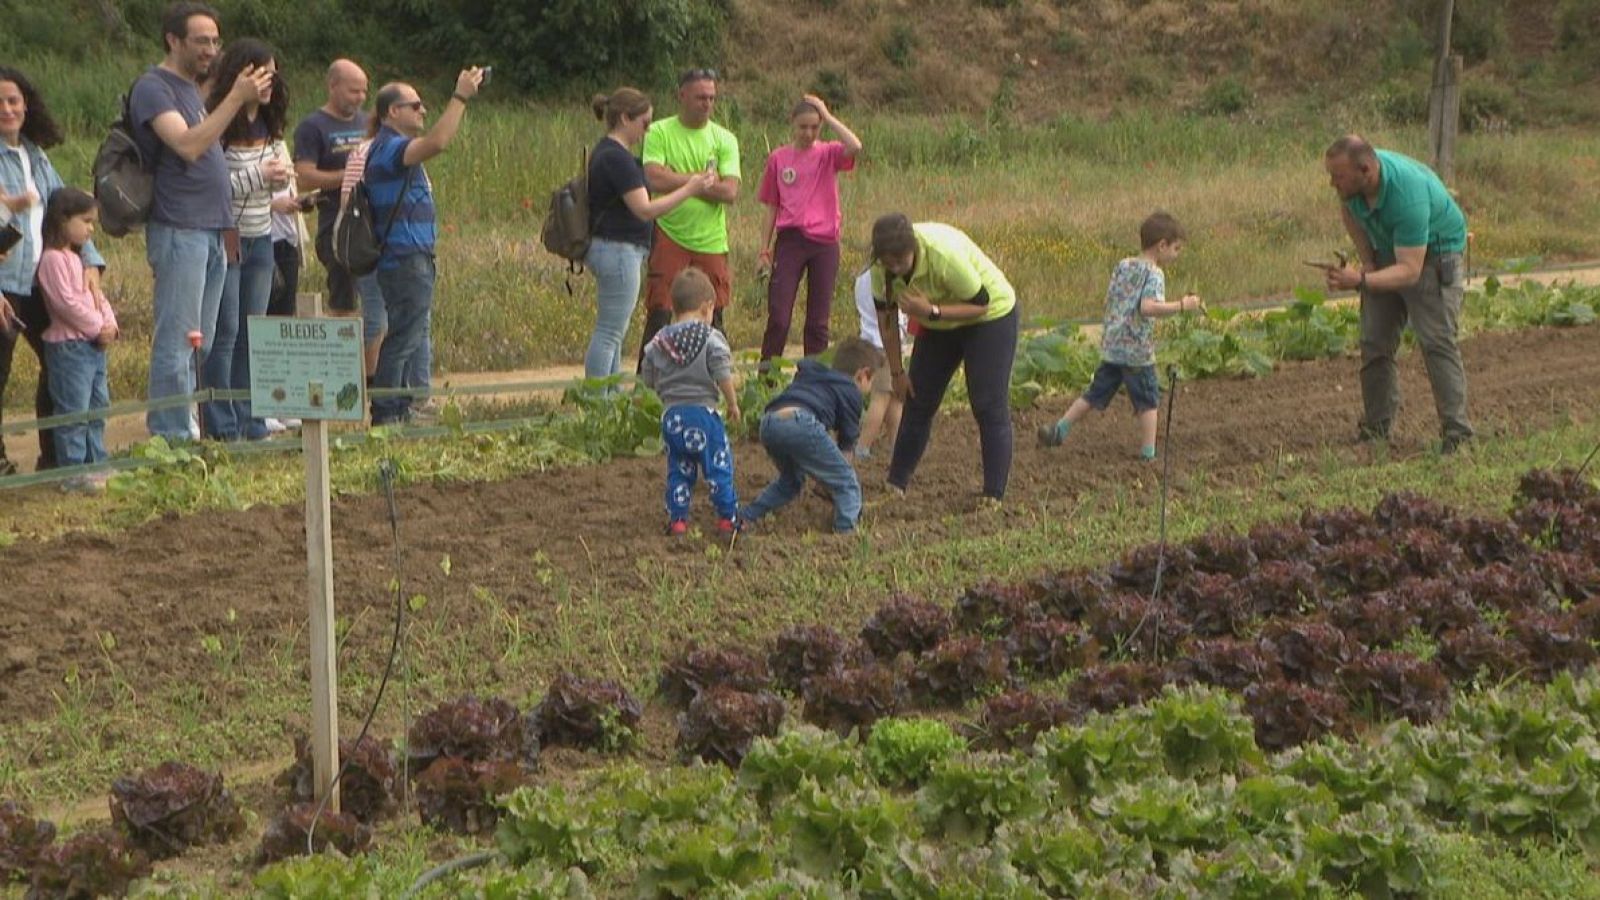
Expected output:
(26, 182)
(967, 311)
(620, 215)
(258, 167)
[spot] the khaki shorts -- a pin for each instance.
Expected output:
(882, 380)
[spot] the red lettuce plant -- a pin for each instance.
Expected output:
(1336, 526)
(1282, 542)
(854, 698)
(1441, 604)
(1427, 553)
(585, 713)
(1283, 588)
(461, 795)
(1361, 565)
(1405, 510)
(1112, 687)
(905, 625)
(1223, 662)
(993, 609)
(366, 789)
(1045, 648)
(1014, 719)
(1223, 553)
(698, 668)
(285, 836)
(1379, 619)
(722, 722)
(471, 729)
(1136, 570)
(1555, 643)
(1466, 652)
(1137, 626)
(1398, 685)
(1486, 541)
(1563, 486)
(804, 651)
(1308, 651)
(1070, 595)
(92, 864)
(165, 810)
(1499, 586)
(1288, 715)
(959, 669)
(1215, 605)
(1569, 576)
(22, 840)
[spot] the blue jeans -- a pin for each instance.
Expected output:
(189, 268)
(246, 291)
(408, 300)
(375, 321)
(697, 442)
(618, 269)
(799, 445)
(78, 384)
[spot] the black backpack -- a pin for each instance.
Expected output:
(124, 185)
(357, 246)
(566, 231)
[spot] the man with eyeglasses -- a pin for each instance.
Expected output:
(696, 233)
(183, 238)
(398, 186)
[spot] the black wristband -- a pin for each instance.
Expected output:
(458, 96)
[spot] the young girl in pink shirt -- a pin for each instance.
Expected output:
(82, 325)
(801, 190)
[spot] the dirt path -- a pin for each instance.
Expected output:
(124, 431)
(160, 588)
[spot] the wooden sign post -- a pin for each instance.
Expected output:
(319, 590)
(311, 368)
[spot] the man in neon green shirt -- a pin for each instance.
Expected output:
(1409, 234)
(696, 233)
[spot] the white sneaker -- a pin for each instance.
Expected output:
(291, 423)
(274, 426)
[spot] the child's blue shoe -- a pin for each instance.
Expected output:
(1148, 454)
(1054, 433)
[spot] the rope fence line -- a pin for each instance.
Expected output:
(424, 432)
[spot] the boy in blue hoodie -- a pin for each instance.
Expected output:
(688, 364)
(795, 426)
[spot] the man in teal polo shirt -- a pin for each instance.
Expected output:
(1409, 235)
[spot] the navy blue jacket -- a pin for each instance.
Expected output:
(830, 396)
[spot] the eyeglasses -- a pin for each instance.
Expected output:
(694, 75)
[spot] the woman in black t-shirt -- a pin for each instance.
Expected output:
(620, 213)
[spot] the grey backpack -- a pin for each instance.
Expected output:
(124, 185)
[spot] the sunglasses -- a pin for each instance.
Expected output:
(414, 104)
(694, 75)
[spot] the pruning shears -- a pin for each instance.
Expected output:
(1344, 262)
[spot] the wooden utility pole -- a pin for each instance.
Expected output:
(319, 565)
(1444, 100)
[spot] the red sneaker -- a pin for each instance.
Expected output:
(727, 526)
(677, 528)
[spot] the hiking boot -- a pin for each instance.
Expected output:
(1453, 443)
(1054, 433)
(729, 526)
(1366, 434)
(677, 528)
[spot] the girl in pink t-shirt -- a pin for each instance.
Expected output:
(801, 190)
(82, 325)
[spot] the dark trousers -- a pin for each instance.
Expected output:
(796, 256)
(286, 278)
(31, 310)
(341, 287)
(987, 351)
(657, 319)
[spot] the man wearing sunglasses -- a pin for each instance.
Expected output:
(183, 239)
(403, 216)
(696, 233)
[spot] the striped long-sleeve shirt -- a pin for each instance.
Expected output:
(251, 192)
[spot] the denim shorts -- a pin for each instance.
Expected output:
(1144, 389)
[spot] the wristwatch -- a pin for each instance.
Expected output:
(934, 312)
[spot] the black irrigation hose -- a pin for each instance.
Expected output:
(1166, 479)
(460, 864)
(385, 475)
(1586, 460)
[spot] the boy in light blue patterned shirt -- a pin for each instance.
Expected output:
(1136, 296)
